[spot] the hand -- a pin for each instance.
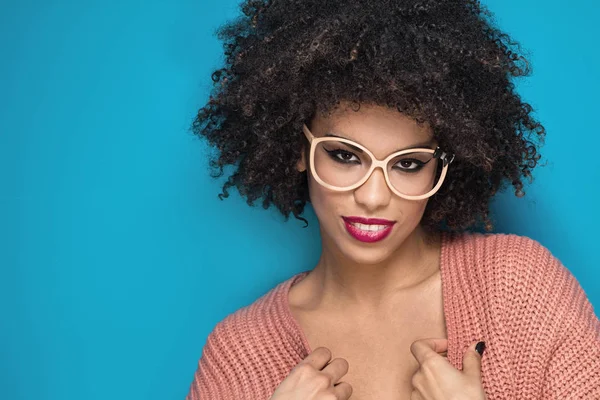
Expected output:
(437, 379)
(315, 378)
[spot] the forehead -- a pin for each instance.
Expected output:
(381, 129)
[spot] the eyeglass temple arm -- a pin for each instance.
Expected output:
(307, 133)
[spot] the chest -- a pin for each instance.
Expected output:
(377, 348)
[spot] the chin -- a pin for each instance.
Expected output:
(367, 257)
(370, 253)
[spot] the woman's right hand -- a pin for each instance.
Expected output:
(315, 378)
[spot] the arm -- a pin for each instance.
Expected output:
(549, 324)
(573, 370)
(215, 374)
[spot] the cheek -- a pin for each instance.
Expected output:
(414, 211)
(418, 207)
(408, 213)
(324, 202)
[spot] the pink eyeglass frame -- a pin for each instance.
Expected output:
(446, 159)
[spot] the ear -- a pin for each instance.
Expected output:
(301, 164)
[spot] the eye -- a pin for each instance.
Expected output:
(343, 156)
(410, 165)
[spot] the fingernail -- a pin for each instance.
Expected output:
(480, 348)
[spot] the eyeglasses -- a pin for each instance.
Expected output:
(341, 164)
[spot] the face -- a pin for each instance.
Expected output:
(382, 131)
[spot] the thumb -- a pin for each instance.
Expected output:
(472, 359)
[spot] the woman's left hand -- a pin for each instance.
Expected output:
(437, 379)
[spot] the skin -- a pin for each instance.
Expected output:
(359, 302)
(360, 275)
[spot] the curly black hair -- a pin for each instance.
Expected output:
(443, 62)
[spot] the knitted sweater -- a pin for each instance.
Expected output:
(542, 335)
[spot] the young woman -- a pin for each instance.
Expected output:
(398, 121)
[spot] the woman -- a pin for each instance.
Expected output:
(398, 122)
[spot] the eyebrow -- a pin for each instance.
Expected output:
(426, 144)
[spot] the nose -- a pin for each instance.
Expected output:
(374, 193)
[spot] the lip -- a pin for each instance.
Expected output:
(369, 221)
(368, 236)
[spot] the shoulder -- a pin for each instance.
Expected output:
(496, 244)
(257, 332)
(528, 282)
(249, 351)
(507, 256)
(516, 271)
(260, 322)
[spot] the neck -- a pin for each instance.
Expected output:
(348, 283)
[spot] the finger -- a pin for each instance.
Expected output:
(423, 348)
(336, 369)
(472, 361)
(318, 358)
(342, 391)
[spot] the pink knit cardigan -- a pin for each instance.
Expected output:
(541, 332)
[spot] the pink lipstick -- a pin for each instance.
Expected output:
(368, 230)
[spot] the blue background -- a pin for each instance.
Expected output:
(117, 258)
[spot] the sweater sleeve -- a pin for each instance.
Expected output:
(548, 324)
(215, 371)
(573, 370)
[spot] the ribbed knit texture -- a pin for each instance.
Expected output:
(541, 332)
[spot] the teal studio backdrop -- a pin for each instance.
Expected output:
(117, 258)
